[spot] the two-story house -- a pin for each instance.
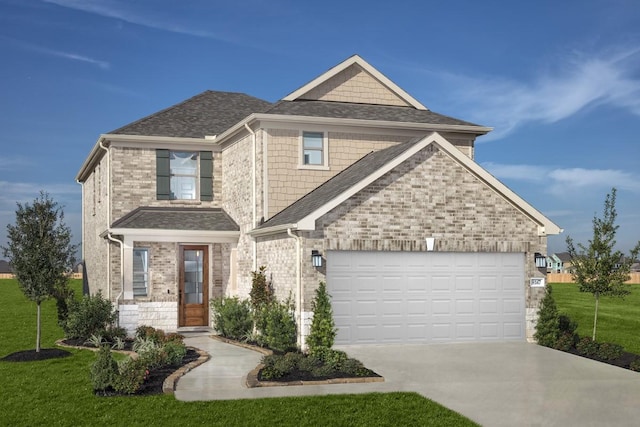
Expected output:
(348, 180)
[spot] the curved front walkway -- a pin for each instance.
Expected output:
(498, 384)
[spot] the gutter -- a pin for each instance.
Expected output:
(298, 285)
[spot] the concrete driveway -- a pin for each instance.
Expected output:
(510, 384)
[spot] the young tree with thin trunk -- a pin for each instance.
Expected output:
(39, 251)
(598, 268)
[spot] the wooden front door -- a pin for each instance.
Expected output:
(193, 294)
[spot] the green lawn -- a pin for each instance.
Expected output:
(618, 319)
(58, 392)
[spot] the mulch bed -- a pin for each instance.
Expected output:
(152, 385)
(623, 361)
(32, 355)
(297, 375)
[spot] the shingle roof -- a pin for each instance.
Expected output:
(337, 185)
(563, 256)
(209, 113)
(206, 219)
(345, 110)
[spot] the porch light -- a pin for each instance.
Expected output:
(316, 258)
(541, 260)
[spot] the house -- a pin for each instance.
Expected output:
(5, 267)
(559, 263)
(348, 179)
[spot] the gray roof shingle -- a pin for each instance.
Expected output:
(337, 185)
(345, 110)
(197, 219)
(209, 113)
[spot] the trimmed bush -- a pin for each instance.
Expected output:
(261, 293)
(548, 326)
(609, 351)
(635, 365)
(587, 347)
(93, 315)
(279, 329)
(175, 352)
(232, 317)
(131, 375)
(104, 370)
(323, 330)
(566, 342)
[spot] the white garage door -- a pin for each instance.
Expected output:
(418, 297)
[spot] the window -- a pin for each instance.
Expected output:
(184, 175)
(140, 271)
(183, 166)
(313, 149)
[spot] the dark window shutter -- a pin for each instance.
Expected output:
(163, 175)
(206, 176)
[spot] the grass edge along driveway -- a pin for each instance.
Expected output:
(58, 392)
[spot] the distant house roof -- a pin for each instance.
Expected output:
(208, 113)
(345, 110)
(195, 219)
(5, 267)
(564, 256)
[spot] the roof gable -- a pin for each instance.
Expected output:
(354, 80)
(303, 213)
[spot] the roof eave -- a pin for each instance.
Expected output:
(276, 229)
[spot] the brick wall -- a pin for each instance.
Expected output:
(354, 85)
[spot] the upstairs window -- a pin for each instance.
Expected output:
(314, 150)
(140, 271)
(184, 175)
(183, 166)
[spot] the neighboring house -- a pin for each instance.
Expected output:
(559, 263)
(5, 268)
(417, 243)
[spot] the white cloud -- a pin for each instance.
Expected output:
(58, 53)
(563, 180)
(14, 163)
(124, 12)
(577, 84)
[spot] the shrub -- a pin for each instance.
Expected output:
(279, 328)
(566, 325)
(609, 351)
(104, 370)
(90, 316)
(231, 317)
(150, 333)
(112, 333)
(587, 347)
(355, 368)
(131, 375)
(565, 342)
(272, 369)
(175, 352)
(548, 327)
(635, 365)
(335, 359)
(323, 331)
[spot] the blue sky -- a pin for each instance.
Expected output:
(559, 81)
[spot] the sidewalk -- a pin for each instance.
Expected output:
(223, 376)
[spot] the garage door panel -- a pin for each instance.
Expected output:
(382, 297)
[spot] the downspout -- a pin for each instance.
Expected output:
(121, 243)
(106, 149)
(298, 285)
(254, 248)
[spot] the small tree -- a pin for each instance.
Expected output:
(548, 326)
(261, 293)
(40, 251)
(323, 330)
(597, 268)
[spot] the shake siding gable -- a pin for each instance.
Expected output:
(355, 85)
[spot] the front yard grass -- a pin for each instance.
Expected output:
(58, 392)
(618, 319)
